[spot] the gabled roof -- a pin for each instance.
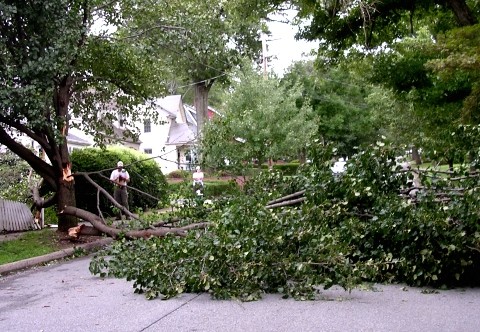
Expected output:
(180, 134)
(77, 140)
(190, 114)
(171, 105)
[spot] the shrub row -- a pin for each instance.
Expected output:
(211, 188)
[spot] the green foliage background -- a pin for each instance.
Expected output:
(14, 178)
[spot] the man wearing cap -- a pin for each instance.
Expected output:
(120, 178)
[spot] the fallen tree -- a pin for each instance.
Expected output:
(362, 226)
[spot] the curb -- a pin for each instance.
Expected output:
(30, 262)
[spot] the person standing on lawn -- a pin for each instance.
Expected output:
(198, 176)
(120, 178)
(198, 181)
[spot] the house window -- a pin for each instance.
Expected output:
(147, 151)
(147, 126)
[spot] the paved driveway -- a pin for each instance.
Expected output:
(66, 297)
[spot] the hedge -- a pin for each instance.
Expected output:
(145, 175)
(211, 188)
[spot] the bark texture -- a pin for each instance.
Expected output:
(462, 12)
(201, 104)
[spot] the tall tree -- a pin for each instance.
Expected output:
(398, 35)
(201, 40)
(338, 99)
(341, 24)
(438, 79)
(53, 68)
(262, 120)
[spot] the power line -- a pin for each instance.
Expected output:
(202, 81)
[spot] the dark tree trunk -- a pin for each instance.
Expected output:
(201, 105)
(416, 155)
(61, 158)
(66, 197)
(450, 164)
(462, 12)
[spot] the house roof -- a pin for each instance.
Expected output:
(120, 133)
(170, 105)
(71, 138)
(190, 114)
(180, 134)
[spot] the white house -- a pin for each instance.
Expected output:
(172, 140)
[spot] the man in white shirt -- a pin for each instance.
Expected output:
(120, 178)
(198, 176)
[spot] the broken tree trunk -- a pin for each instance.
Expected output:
(113, 232)
(287, 200)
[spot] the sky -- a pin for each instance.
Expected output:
(283, 49)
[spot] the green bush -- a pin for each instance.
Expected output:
(220, 188)
(50, 216)
(211, 188)
(14, 178)
(145, 175)
(287, 169)
(179, 174)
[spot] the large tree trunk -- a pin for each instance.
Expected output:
(61, 157)
(66, 197)
(416, 155)
(462, 12)
(201, 105)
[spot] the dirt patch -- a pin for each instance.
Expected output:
(10, 236)
(63, 241)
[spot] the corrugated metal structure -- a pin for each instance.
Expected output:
(15, 217)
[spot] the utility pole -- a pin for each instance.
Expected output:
(265, 76)
(264, 55)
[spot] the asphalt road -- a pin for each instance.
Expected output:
(66, 297)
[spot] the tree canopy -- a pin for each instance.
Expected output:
(53, 68)
(261, 121)
(369, 23)
(200, 41)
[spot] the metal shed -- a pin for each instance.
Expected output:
(15, 217)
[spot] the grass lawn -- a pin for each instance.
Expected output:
(433, 166)
(28, 245)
